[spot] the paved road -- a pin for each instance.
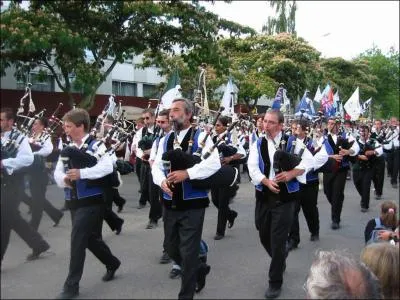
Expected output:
(239, 264)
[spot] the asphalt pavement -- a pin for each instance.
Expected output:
(239, 263)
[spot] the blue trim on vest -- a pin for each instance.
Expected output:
(189, 192)
(82, 188)
(292, 186)
(344, 163)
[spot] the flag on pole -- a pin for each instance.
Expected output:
(228, 99)
(305, 107)
(172, 91)
(278, 99)
(286, 103)
(318, 95)
(111, 105)
(327, 101)
(365, 106)
(352, 106)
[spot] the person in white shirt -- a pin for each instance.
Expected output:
(184, 205)
(42, 147)
(12, 185)
(393, 151)
(84, 198)
(276, 192)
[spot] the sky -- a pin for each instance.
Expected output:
(335, 28)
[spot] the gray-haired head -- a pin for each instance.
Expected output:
(336, 275)
(187, 103)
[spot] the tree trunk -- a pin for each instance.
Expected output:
(87, 101)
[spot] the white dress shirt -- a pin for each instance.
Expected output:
(354, 147)
(204, 169)
(45, 149)
(378, 150)
(103, 167)
(24, 157)
(306, 163)
(136, 139)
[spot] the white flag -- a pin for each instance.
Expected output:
(318, 95)
(228, 99)
(352, 106)
(365, 106)
(169, 96)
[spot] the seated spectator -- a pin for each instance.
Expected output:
(336, 275)
(379, 229)
(383, 260)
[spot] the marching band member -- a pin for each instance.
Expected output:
(364, 166)
(38, 178)
(379, 166)
(184, 205)
(275, 195)
(334, 182)
(308, 195)
(391, 145)
(12, 184)
(84, 200)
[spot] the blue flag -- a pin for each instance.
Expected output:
(305, 107)
(278, 99)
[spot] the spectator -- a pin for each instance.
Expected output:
(383, 260)
(336, 275)
(381, 228)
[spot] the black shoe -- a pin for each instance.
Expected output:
(394, 185)
(110, 273)
(64, 208)
(202, 272)
(273, 293)
(140, 206)
(314, 237)
(378, 197)
(68, 294)
(36, 252)
(232, 220)
(119, 227)
(335, 225)
(58, 220)
(218, 237)
(121, 207)
(151, 225)
(175, 273)
(364, 209)
(165, 259)
(290, 245)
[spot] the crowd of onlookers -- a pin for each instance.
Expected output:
(375, 275)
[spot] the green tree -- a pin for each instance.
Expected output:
(284, 20)
(87, 39)
(385, 69)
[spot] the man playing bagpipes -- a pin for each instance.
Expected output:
(81, 170)
(364, 166)
(276, 175)
(229, 153)
(308, 195)
(42, 147)
(15, 155)
(339, 149)
(184, 204)
(143, 140)
(378, 134)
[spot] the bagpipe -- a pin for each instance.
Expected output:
(285, 161)
(368, 146)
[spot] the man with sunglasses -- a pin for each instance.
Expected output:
(338, 148)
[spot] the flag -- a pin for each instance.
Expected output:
(365, 105)
(352, 106)
(305, 107)
(286, 103)
(327, 101)
(228, 99)
(278, 99)
(336, 100)
(341, 110)
(32, 107)
(318, 95)
(172, 91)
(111, 105)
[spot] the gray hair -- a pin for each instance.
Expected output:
(336, 275)
(189, 109)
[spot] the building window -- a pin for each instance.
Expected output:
(121, 88)
(42, 83)
(150, 91)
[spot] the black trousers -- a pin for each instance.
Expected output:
(11, 218)
(38, 203)
(379, 175)
(117, 198)
(220, 198)
(110, 217)
(183, 231)
(393, 161)
(144, 183)
(138, 167)
(334, 184)
(86, 233)
(362, 180)
(155, 212)
(307, 201)
(273, 224)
